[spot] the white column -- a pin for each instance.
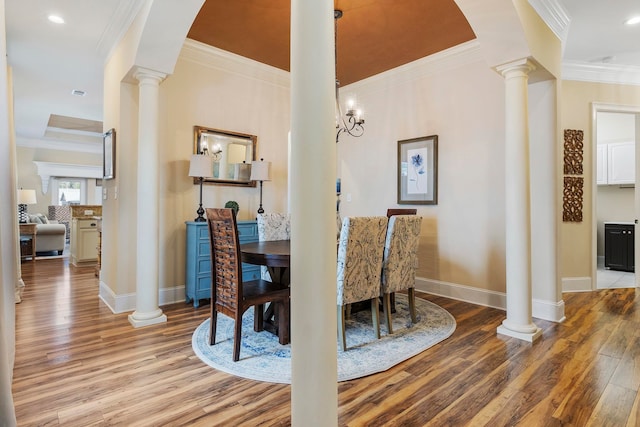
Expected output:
(147, 310)
(314, 389)
(518, 323)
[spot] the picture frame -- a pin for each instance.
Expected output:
(418, 171)
(108, 154)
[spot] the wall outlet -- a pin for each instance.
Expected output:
(348, 197)
(104, 194)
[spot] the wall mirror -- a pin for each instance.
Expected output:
(232, 154)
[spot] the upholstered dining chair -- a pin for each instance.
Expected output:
(360, 252)
(400, 262)
(391, 212)
(400, 211)
(272, 226)
(232, 296)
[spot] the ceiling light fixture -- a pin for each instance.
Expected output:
(56, 19)
(633, 21)
(78, 92)
(352, 121)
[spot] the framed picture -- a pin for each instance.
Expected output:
(108, 154)
(418, 171)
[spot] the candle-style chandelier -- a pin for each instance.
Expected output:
(351, 122)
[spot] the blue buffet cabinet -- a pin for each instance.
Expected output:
(198, 271)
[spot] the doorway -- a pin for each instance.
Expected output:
(616, 205)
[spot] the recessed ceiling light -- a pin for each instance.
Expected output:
(633, 21)
(56, 19)
(78, 92)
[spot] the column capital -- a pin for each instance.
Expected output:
(524, 66)
(141, 73)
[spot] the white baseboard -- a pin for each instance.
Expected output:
(541, 309)
(463, 293)
(127, 302)
(576, 284)
(548, 310)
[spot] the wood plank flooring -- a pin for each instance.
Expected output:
(77, 364)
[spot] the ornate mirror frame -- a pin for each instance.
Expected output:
(233, 153)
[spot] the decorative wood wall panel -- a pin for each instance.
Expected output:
(572, 199)
(573, 151)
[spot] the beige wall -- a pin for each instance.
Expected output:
(576, 103)
(463, 236)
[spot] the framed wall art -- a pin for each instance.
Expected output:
(418, 171)
(109, 154)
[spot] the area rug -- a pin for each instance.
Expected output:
(262, 358)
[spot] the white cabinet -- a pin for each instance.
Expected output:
(616, 163)
(601, 164)
(621, 163)
(84, 241)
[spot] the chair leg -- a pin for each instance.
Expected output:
(212, 326)
(237, 335)
(412, 305)
(258, 313)
(341, 336)
(283, 322)
(386, 311)
(374, 316)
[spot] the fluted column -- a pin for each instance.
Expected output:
(518, 323)
(314, 389)
(147, 242)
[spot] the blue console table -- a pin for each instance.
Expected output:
(198, 271)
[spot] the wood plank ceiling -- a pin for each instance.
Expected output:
(373, 35)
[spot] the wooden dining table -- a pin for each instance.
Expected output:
(275, 255)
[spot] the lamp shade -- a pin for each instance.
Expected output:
(260, 171)
(27, 197)
(201, 166)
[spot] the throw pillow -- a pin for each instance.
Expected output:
(43, 218)
(34, 219)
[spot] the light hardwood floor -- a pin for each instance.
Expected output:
(77, 364)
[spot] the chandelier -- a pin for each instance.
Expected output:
(351, 122)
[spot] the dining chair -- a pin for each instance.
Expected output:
(400, 262)
(272, 226)
(360, 252)
(232, 296)
(393, 211)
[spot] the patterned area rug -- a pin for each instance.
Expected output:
(262, 358)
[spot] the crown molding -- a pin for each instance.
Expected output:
(554, 15)
(118, 26)
(455, 57)
(212, 57)
(601, 73)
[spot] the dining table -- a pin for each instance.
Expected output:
(275, 255)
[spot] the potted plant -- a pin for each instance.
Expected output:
(233, 205)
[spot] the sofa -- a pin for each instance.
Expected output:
(50, 235)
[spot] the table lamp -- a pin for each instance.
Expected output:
(25, 197)
(260, 171)
(201, 167)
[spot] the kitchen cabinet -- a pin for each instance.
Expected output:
(619, 246)
(621, 163)
(84, 241)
